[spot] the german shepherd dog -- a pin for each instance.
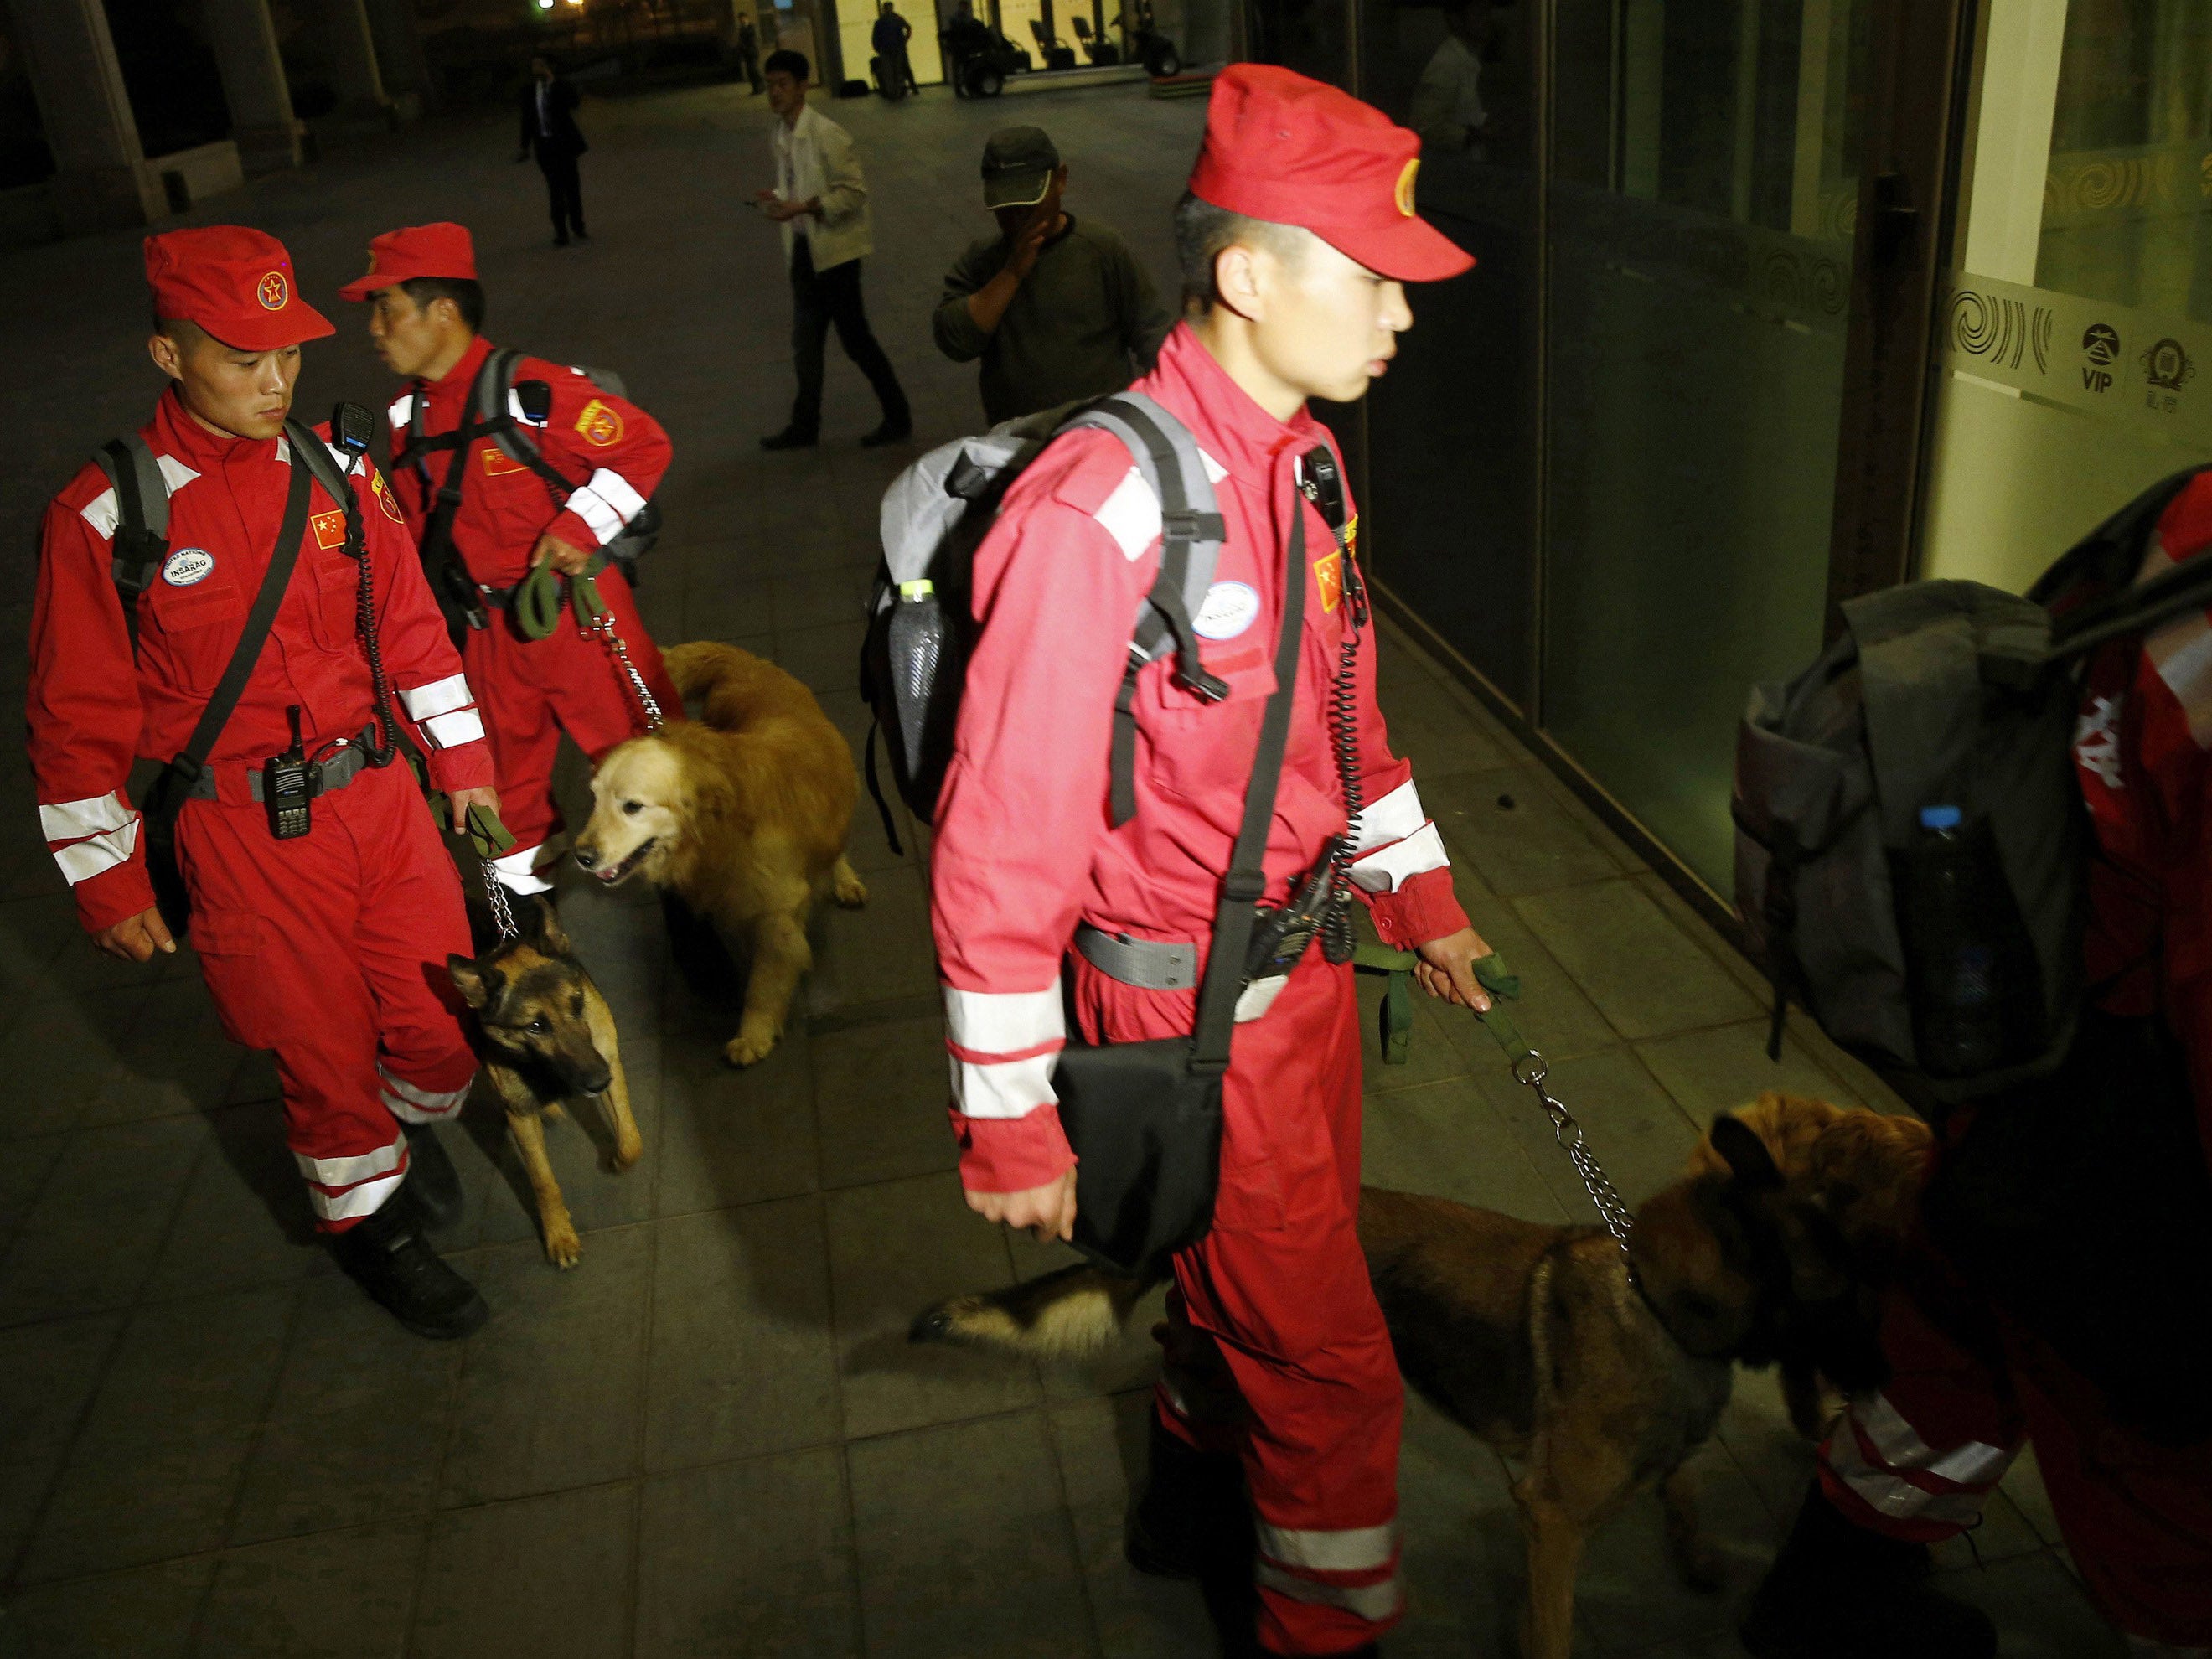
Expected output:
(1599, 1372)
(547, 1035)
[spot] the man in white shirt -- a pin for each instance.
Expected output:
(822, 204)
(1447, 109)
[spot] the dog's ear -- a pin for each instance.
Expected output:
(552, 938)
(1746, 1154)
(473, 982)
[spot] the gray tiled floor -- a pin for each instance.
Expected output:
(711, 1438)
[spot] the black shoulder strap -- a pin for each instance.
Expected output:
(192, 759)
(322, 466)
(1248, 876)
(140, 540)
(495, 416)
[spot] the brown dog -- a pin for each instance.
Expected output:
(547, 1035)
(742, 814)
(1599, 1372)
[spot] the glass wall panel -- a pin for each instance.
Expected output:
(1451, 522)
(2077, 345)
(1701, 213)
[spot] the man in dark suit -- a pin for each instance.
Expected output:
(550, 133)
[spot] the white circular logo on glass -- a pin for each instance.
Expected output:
(187, 565)
(1230, 609)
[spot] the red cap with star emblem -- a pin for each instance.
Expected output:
(235, 283)
(1294, 151)
(400, 256)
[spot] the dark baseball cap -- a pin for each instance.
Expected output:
(1017, 167)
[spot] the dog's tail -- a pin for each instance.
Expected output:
(1069, 1314)
(698, 667)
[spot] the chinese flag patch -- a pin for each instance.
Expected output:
(330, 528)
(600, 425)
(497, 460)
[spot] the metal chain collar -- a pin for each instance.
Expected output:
(502, 914)
(603, 626)
(1529, 1069)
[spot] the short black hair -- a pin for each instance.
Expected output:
(1203, 230)
(784, 61)
(467, 294)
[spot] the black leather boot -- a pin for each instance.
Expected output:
(433, 1186)
(1194, 1519)
(388, 1256)
(1839, 1591)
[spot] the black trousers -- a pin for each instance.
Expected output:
(564, 192)
(818, 299)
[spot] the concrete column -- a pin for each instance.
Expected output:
(399, 54)
(101, 177)
(261, 123)
(353, 72)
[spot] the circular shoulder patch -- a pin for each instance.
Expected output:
(1230, 609)
(187, 565)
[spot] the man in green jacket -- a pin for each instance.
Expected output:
(1056, 310)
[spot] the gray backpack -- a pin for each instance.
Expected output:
(935, 514)
(1920, 768)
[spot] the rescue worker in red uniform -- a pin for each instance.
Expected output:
(326, 948)
(1296, 237)
(2062, 1290)
(426, 309)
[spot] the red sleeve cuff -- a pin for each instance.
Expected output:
(464, 766)
(1424, 909)
(571, 528)
(114, 895)
(1011, 1154)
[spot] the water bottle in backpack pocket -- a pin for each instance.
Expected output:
(1973, 982)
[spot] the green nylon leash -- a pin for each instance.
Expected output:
(538, 598)
(492, 840)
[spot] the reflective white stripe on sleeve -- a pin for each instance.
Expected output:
(344, 1171)
(1899, 1445)
(610, 487)
(1010, 1088)
(1131, 515)
(1256, 998)
(1004, 1021)
(1373, 1602)
(438, 698)
(81, 859)
(101, 514)
(450, 731)
(605, 523)
(411, 1104)
(1353, 1549)
(1393, 817)
(401, 412)
(1388, 870)
(67, 820)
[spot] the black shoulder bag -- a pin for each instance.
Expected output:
(1144, 1118)
(165, 796)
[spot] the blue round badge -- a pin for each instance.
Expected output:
(187, 565)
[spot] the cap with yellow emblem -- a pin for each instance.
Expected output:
(1294, 151)
(235, 282)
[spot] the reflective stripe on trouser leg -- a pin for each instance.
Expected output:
(412, 1103)
(1377, 1602)
(347, 1189)
(1877, 1469)
(518, 871)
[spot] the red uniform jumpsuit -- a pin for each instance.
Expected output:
(532, 690)
(1025, 850)
(1917, 1459)
(329, 949)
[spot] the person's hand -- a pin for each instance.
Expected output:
(1030, 242)
(1047, 1212)
(462, 799)
(1446, 970)
(566, 559)
(135, 939)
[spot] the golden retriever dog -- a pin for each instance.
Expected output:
(741, 813)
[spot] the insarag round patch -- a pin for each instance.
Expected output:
(1230, 609)
(187, 565)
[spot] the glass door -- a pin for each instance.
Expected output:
(1701, 219)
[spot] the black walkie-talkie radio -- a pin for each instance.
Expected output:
(287, 785)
